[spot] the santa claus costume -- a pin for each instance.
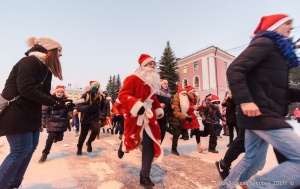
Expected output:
(142, 108)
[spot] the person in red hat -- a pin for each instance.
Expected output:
(92, 113)
(259, 81)
(194, 124)
(138, 98)
(210, 117)
(56, 122)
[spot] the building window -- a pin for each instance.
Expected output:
(195, 66)
(185, 69)
(185, 83)
(196, 81)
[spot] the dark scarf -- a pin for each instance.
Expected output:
(285, 46)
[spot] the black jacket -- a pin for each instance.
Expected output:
(56, 120)
(88, 113)
(230, 111)
(260, 75)
(24, 114)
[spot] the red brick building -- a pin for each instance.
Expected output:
(205, 70)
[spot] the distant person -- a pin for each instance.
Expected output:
(138, 98)
(164, 97)
(21, 120)
(230, 116)
(259, 81)
(119, 112)
(56, 122)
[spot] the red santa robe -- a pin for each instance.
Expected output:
(133, 95)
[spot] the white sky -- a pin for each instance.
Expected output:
(102, 38)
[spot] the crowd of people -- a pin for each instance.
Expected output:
(251, 113)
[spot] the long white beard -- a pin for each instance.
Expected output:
(184, 103)
(150, 76)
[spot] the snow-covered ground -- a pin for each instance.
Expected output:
(101, 169)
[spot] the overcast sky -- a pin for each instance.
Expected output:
(102, 38)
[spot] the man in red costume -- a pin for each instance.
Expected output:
(138, 97)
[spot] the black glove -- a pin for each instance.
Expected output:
(188, 119)
(141, 111)
(58, 106)
(70, 105)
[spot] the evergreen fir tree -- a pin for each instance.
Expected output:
(109, 85)
(168, 68)
(117, 87)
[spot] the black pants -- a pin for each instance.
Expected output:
(147, 155)
(218, 128)
(235, 149)
(162, 125)
(185, 134)
(53, 136)
(209, 130)
(95, 127)
(120, 126)
(196, 132)
(176, 131)
(231, 128)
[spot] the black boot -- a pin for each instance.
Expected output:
(120, 152)
(89, 147)
(43, 158)
(79, 150)
(174, 151)
(146, 182)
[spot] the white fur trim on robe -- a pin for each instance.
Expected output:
(136, 107)
(159, 113)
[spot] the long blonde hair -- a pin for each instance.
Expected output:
(53, 63)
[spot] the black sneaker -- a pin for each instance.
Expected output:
(223, 171)
(43, 158)
(213, 151)
(79, 150)
(146, 182)
(175, 152)
(120, 152)
(89, 147)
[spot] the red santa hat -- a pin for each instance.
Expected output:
(145, 59)
(60, 87)
(94, 84)
(180, 90)
(271, 22)
(215, 98)
(190, 89)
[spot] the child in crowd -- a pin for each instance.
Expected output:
(56, 122)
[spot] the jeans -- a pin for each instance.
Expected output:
(14, 166)
(256, 144)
